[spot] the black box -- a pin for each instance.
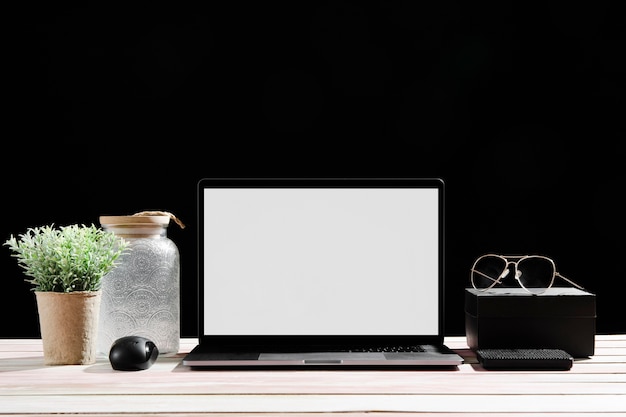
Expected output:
(511, 318)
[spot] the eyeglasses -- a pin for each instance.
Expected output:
(534, 273)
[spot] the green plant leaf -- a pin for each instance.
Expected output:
(68, 258)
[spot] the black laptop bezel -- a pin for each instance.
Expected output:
(300, 343)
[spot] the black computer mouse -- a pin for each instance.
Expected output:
(133, 353)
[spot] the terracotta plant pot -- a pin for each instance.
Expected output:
(69, 326)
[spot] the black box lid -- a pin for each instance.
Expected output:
(516, 302)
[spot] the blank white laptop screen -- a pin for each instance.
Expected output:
(321, 261)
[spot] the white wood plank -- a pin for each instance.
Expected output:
(326, 414)
(170, 379)
(186, 344)
(209, 414)
(315, 403)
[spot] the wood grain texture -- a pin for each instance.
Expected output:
(594, 385)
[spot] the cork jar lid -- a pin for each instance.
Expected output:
(142, 219)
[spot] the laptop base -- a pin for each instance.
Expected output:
(428, 356)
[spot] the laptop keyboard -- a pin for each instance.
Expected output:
(385, 349)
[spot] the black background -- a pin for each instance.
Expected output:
(111, 110)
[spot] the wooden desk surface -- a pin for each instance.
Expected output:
(28, 387)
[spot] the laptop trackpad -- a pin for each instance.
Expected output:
(322, 357)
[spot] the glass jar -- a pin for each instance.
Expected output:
(141, 295)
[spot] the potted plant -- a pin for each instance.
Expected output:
(65, 266)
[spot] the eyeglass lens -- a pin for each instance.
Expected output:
(534, 273)
(486, 271)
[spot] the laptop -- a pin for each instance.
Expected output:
(336, 273)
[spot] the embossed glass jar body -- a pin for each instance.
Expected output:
(141, 296)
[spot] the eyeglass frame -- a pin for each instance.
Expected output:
(508, 261)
